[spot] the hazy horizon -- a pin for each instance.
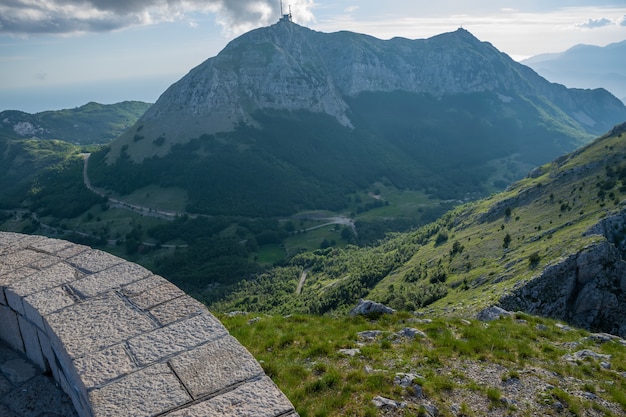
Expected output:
(63, 54)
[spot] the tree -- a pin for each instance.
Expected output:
(507, 241)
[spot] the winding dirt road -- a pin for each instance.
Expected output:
(146, 211)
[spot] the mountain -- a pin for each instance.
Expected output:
(91, 123)
(553, 244)
(286, 119)
(586, 66)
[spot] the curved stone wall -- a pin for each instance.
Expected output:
(122, 341)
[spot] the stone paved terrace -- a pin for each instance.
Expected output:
(122, 341)
(26, 391)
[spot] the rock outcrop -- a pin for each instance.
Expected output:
(586, 289)
(365, 307)
(493, 313)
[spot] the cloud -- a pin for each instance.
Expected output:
(595, 23)
(622, 22)
(75, 16)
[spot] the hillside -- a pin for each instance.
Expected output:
(586, 66)
(92, 123)
(22, 160)
(551, 244)
(287, 119)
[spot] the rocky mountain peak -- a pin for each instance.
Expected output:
(289, 67)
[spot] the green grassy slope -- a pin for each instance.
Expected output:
(510, 367)
(471, 256)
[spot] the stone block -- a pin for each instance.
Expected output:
(31, 342)
(10, 277)
(75, 398)
(92, 261)
(14, 242)
(14, 301)
(44, 261)
(105, 365)
(10, 329)
(110, 279)
(46, 350)
(40, 304)
(18, 370)
(72, 251)
(7, 352)
(97, 324)
(259, 398)
(26, 257)
(41, 280)
(215, 366)
(157, 295)
(177, 309)
(143, 285)
(60, 363)
(9, 239)
(51, 246)
(147, 392)
(175, 338)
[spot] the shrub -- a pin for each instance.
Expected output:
(534, 259)
(442, 237)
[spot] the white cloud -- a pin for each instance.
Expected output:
(595, 23)
(75, 16)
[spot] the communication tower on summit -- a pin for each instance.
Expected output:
(284, 17)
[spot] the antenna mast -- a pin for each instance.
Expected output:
(284, 17)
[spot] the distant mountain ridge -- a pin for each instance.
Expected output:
(287, 119)
(90, 123)
(586, 66)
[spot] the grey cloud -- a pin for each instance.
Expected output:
(623, 21)
(115, 6)
(59, 16)
(595, 23)
(60, 24)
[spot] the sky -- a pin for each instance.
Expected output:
(57, 54)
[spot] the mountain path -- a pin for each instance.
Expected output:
(301, 282)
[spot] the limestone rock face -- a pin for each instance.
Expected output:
(492, 313)
(288, 67)
(585, 289)
(366, 307)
